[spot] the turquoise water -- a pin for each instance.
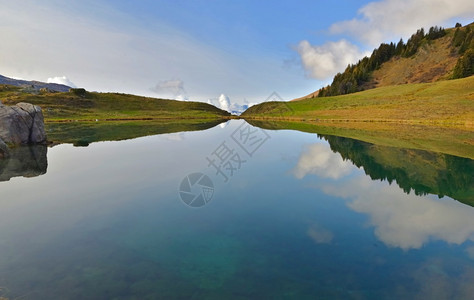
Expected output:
(301, 217)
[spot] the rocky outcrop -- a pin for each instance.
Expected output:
(22, 124)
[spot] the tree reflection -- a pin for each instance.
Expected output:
(418, 171)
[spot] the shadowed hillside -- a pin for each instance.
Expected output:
(79, 104)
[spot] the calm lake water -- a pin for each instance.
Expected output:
(285, 215)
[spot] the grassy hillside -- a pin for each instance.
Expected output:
(403, 95)
(443, 103)
(428, 56)
(433, 61)
(81, 105)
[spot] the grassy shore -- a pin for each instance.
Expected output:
(443, 103)
(81, 117)
(79, 105)
(448, 140)
(436, 116)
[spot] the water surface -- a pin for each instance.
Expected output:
(293, 216)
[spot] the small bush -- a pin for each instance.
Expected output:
(81, 143)
(79, 92)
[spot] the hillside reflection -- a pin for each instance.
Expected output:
(82, 134)
(396, 192)
(417, 171)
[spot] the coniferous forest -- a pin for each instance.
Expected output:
(357, 75)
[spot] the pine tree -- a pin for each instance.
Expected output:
(467, 43)
(400, 47)
(459, 36)
(465, 65)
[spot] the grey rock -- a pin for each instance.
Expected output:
(22, 124)
(4, 152)
(37, 132)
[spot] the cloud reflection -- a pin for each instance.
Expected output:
(319, 234)
(401, 220)
(406, 221)
(176, 137)
(318, 159)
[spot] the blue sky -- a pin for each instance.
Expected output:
(199, 50)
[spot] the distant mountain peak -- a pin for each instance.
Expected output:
(35, 85)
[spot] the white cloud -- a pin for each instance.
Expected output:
(170, 89)
(224, 102)
(380, 21)
(406, 221)
(61, 80)
(377, 22)
(322, 62)
(104, 48)
(318, 159)
(237, 108)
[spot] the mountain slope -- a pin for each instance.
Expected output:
(34, 85)
(439, 54)
(433, 61)
(442, 102)
(78, 104)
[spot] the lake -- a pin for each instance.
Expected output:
(236, 212)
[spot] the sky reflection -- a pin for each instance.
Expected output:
(401, 220)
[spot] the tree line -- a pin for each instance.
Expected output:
(463, 40)
(355, 76)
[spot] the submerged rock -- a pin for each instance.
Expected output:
(21, 124)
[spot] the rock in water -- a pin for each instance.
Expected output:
(25, 161)
(22, 124)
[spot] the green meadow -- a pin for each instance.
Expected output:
(449, 103)
(80, 105)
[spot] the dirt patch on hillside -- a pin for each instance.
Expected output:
(434, 61)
